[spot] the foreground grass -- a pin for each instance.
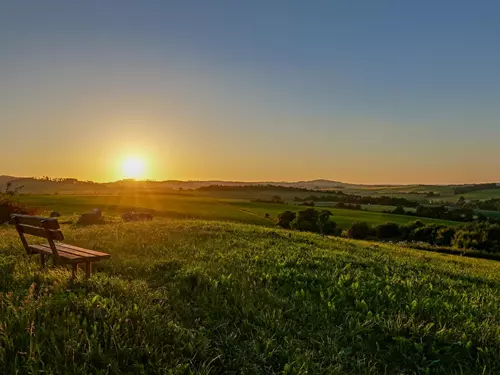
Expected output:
(188, 296)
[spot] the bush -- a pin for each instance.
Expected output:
(326, 226)
(307, 220)
(410, 227)
(388, 230)
(285, 218)
(399, 210)
(359, 230)
(426, 233)
(466, 239)
(444, 236)
(9, 204)
(482, 236)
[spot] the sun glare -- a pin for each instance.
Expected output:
(133, 168)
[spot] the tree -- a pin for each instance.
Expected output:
(276, 199)
(444, 236)
(9, 203)
(306, 220)
(399, 210)
(285, 218)
(388, 230)
(359, 230)
(326, 226)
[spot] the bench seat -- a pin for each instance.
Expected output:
(61, 253)
(70, 253)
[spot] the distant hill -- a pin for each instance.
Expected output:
(72, 185)
(36, 185)
(313, 185)
(50, 186)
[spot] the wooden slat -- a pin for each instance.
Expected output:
(81, 252)
(36, 221)
(67, 256)
(87, 251)
(40, 232)
(65, 252)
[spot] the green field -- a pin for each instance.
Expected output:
(189, 296)
(408, 192)
(368, 207)
(200, 207)
(343, 217)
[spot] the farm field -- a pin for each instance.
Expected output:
(446, 192)
(482, 194)
(175, 206)
(190, 296)
(343, 217)
(369, 207)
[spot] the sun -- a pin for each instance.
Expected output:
(133, 167)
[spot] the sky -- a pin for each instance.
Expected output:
(353, 91)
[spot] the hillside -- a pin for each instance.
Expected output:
(412, 192)
(32, 185)
(189, 296)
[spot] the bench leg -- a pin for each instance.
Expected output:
(88, 269)
(42, 260)
(74, 271)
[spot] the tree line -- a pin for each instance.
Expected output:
(483, 235)
(476, 187)
(339, 196)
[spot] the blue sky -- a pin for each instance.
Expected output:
(357, 91)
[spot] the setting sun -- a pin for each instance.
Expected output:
(133, 168)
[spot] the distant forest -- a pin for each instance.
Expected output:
(477, 187)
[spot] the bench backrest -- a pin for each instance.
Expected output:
(38, 226)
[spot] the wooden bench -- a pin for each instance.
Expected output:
(62, 253)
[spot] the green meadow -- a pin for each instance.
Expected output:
(212, 297)
(201, 207)
(211, 286)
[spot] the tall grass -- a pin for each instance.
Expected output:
(190, 296)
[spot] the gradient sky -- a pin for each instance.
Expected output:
(356, 91)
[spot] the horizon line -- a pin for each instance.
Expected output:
(248, 182)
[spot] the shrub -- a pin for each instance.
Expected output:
(277, 199)
(426, 233)
(327, 226)
(307, 220)
(399, 210)
(388, 230)
(359, 230)
(466, 239)
(482, 236)
(285, 218)
(410, 227)
(9, 204)
(444, 236)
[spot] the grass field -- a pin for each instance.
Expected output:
(174, 206)
(446, 193)
(343, 217)
(189, 296)
(368, 207)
